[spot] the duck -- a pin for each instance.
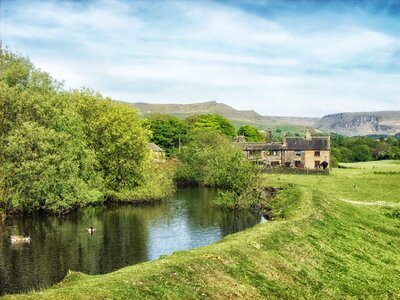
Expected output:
(19, 239)
(91, 229)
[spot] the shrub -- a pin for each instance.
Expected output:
(212, 122)
(211, 159)
(47, 170)
(65, 149)
(166, 132)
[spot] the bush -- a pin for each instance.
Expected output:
(252, 134)
(361, 153)
(212, 122)
(210, 159)
(157, 184)
(166, 132)
(47, 170)
(61, 150)
(116, 135)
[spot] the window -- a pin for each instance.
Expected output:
(254, 153)
(297, 152)
(274, 163)
(288, 164)
(272, 152)
(316, 164)
(317, 153)
(298, 164)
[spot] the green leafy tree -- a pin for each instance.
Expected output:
(209, 158)
(118, 138)
(41, 140)
(337, 139)
(65, 149)
(357, 141)
(252, 134)
(213, 122)
(336, 156)
(166, 131)
(15, 71)
(47, 170)
(392, 141)
(361, 153)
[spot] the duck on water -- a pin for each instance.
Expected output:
(91, 229)
(19, 239)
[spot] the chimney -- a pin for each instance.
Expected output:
(329, 141)
(269, 136)
(308, 133)
(284, 139)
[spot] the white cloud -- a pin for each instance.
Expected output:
(179, 51)
(343, 45)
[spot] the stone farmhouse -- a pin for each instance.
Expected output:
(311, 153)
(158, 154)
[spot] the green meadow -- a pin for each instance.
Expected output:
(335, 236)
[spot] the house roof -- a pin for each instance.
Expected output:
(294, 143)
(316, 143)
(260, 146)
(155, 148)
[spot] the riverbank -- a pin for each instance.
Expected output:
(125, 235)
(319, 247)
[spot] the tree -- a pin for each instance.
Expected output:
(252, 134)
(15, 71)
(166, 131)
(337, 139)
(336, 156)
(361, 153)
(65, 149)
(45, 163)
(209, 158)
(47, 170)
(212, 122)
(118, 138)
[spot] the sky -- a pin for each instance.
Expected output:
(286, 57)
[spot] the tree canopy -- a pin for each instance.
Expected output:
(65, 149)
(354, 149)
(252, 134)
(212, 122)
(211, 159)
(166, 131)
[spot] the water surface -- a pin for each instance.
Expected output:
(125, 235)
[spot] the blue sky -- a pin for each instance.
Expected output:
(299, 58)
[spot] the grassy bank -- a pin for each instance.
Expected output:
(321, 246)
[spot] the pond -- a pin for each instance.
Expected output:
(125, 235)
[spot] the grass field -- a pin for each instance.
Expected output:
(320, 247)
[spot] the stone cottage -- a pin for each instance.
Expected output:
(158, 153)
(294, 152)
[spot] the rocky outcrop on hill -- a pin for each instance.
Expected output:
(364, 123)
(351, 124)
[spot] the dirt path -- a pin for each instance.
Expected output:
(374, 203)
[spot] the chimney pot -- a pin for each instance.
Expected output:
(269, 136)
(308, 133)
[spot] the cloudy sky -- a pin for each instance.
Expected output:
(301, 58)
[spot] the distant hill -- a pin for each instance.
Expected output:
(300, 121)
(351, 124)
(361, 123)
(211, 107)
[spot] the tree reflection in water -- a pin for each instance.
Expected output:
(125, 235)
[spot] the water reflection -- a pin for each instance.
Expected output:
(124, 235)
